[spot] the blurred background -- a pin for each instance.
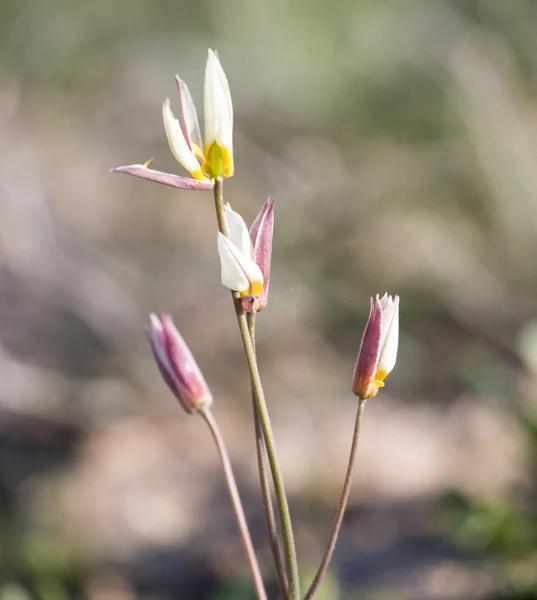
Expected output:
(399, 141)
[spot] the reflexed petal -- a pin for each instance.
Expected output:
(189, 118)
(178, 144)
(238, 232)
(176, 181)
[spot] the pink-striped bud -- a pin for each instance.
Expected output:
(177, 365)
(378, 348)
(261, 233)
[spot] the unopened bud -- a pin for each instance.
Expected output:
(177, 365)
(378, 348)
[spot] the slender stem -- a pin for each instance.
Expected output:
(340, 509)
(279, 489)
(236, 501)
(274, 540)
(219, 203)
(257, 389)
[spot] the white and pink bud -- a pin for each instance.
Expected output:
(245, 256)
(240, 272)
(177, 365)
(378, 348)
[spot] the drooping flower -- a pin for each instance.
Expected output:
(177, 365)
(214, 157)
(378, 348)
(245, 256)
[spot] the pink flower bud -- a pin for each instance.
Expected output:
(378, 349)
(261, 233)
(177, 365)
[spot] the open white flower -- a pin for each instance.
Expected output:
(239, 269)
(214, 158)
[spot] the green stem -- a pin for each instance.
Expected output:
(341, 507)
(257, 389)
(274, 540)
(279, 489)
(219, 204)
(236, 502)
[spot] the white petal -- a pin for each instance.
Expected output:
(388, 308)
(388, 349)
(385, 299)
(238, 271)
(177, 141)
(238, 232)
(189, 116)
(217, 105)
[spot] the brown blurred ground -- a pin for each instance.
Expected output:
(398, 139)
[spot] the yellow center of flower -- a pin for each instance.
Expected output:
(254, 289)
(218, 161)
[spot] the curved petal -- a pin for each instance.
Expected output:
(189, 118)
(238, 232)
(239, 273)
(178, 143)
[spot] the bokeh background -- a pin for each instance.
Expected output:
(399, 141)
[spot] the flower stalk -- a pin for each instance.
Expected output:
(257, 389)
(208, 417)
(342, 506)
(185, 380)
(261, 451)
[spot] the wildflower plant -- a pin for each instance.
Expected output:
(245, 257)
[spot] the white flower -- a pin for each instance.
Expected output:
(215, 157)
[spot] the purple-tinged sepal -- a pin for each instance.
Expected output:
(176, 181)
(261, 233)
